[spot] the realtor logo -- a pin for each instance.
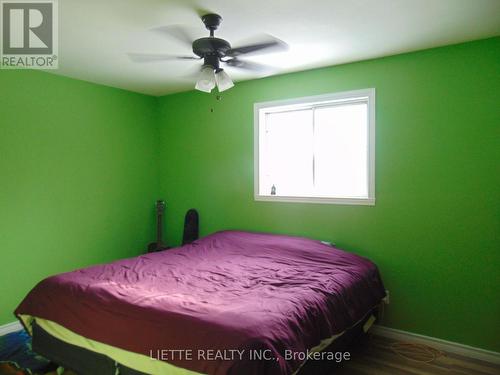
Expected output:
(29, 34)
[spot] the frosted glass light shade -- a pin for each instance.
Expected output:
(223, 81)
(206, 80)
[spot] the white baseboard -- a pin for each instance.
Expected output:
(10, 327)
(445, 346)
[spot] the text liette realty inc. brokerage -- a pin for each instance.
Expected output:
(236, 354)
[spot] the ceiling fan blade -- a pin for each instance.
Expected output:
(177, 32)
(248, 65)
(150, 57)
(268, 44)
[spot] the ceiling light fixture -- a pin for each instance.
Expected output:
(223, 81)
(210, 76)
(206, 80)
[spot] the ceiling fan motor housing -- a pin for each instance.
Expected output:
(211, 46)
(211, 49)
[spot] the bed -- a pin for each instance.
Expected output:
(230, 303)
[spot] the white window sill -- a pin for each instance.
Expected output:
(321, 200)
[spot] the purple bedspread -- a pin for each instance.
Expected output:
(228, 291)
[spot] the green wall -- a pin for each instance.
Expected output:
(78, 177)
(435, 229)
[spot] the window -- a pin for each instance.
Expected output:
(317, 149)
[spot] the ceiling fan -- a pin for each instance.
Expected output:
(214, 52)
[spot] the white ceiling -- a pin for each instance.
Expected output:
(95, 35)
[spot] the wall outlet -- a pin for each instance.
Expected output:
(386, 299)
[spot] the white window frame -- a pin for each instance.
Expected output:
(260, 109)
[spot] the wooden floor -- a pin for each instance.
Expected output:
(375, 357)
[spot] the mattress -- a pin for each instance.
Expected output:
(230, 292)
